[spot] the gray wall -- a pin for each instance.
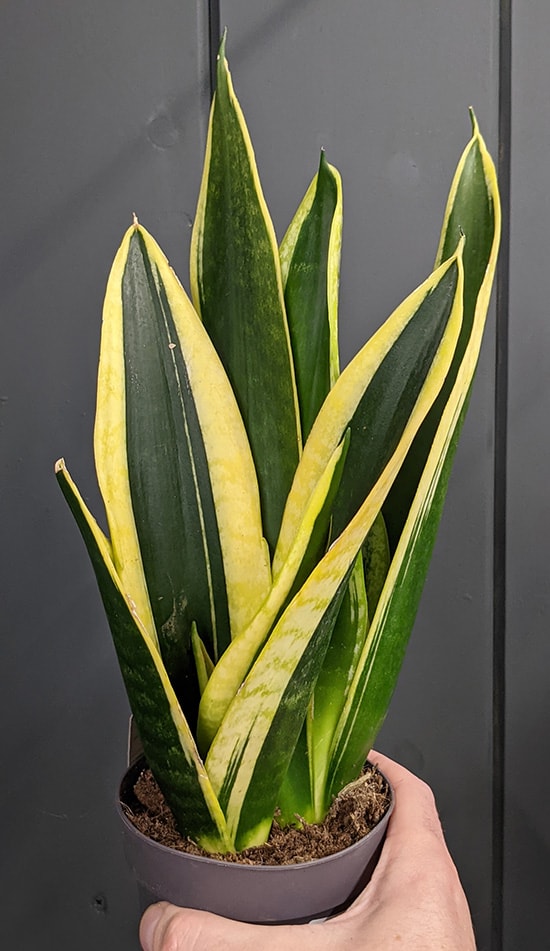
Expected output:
(104, 110)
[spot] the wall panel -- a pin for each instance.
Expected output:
(103, 114)
(527, 829)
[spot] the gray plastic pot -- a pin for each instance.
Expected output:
(265, 894)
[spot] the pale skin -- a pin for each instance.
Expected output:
(414, 901)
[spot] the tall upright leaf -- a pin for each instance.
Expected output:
(333, 683)
(167, 739)
(374, 395)
(237, 289)
(174, 464)
(473, 210)
(247, 759)
(406, 366)
(233, 666)
(310, 263)
(474, 207)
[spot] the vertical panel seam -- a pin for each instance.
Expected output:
(500, 476)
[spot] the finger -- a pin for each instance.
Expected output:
(165, 927)
(415, 812)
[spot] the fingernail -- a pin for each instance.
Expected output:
(148, 926)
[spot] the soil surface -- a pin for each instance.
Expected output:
(357, 809)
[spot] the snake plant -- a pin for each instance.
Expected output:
(271, 516)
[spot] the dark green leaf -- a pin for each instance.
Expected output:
(383, 411)
(237, 289)
(314, 339)
(169, 478)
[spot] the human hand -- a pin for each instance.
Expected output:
(414, 900)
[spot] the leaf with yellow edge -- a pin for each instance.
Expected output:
(184, 474)
(248, 758)
(232, 668)
(374, 395)
(167, 740)
(237, 289)
(310, 265)
(414, 505)
(473, 209)
(203, 662)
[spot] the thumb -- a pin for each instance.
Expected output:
(165, 927)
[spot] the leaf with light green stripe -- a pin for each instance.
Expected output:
(373, 398)
(472, 209)
(310, 264)
(376, 562)
(237, 289)
(203, 661)
(305, 781)
(378, 669)
(251, 752)
(394, 361)
(110, 446)
(232, 668)
(318, 536)
(295, 799)
(247, 760)
(167, 740)
(335, 677)
(186, 476)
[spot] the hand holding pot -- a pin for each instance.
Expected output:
(414, 898)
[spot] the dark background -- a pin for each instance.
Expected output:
(104, 109)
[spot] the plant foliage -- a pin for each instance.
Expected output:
(270, 518)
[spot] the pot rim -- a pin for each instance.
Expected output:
(130, 827)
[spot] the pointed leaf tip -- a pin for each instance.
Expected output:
(221, 48)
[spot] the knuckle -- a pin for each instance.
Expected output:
(427, 793)
(174, 934)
